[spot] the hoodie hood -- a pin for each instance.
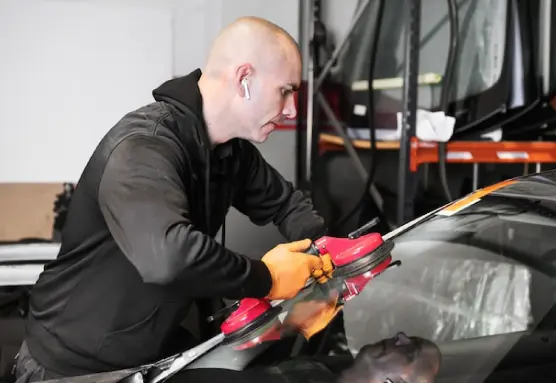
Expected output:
(182, 92)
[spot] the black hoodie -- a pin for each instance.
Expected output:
(138, 244)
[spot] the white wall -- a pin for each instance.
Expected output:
(69, 71)
(197, 23)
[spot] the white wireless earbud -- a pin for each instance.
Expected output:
(246, 88)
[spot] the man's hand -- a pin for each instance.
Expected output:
(324, 274)
(290, 268)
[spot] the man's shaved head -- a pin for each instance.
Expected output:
(251, 40)
(251, 72)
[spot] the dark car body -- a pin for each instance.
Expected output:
(477, 278)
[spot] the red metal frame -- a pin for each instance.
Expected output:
(469, 152)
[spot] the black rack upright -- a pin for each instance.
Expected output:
(409, 118)
(405, 177)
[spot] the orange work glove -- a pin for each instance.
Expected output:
(311, 317)
(324, 274)
(290, 268)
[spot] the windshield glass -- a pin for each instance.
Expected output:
(478, 283)
(466, 280)
(482, 38)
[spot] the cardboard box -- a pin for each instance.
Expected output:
(26, 210)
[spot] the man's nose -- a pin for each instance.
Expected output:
(290, 110)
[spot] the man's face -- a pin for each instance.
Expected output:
(272, 99)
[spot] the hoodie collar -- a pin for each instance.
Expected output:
(184, 94)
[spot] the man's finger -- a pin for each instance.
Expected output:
(327, 266)
(299, 246)
(317, 274)
(315, 263)
(322, 279)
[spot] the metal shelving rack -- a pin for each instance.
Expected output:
(409, 118)
(410, 100)
(315, 96)
(413, 152)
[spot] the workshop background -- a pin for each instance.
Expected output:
(71, 68)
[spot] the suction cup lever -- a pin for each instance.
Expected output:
(313, 250)
(391, 265)
(363, 229)
(223, 312)
(397, 263)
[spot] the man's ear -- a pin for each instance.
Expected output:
(243, 72)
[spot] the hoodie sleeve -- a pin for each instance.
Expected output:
(143, 200)
(265, 196)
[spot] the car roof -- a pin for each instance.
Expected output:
(21, 264)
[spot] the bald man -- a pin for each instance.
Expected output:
(138, 245)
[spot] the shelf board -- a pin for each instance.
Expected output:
(471, 152)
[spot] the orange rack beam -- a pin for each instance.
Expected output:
(458, 151)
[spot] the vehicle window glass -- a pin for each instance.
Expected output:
(480, 60)
(486, 271)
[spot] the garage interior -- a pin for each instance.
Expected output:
(501, 116)
(450, 110)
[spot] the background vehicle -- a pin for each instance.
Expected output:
(20, 266)
(477, 277)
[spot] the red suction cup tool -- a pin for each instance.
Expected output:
(358, 258)
(255, 321)
(355, 256)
